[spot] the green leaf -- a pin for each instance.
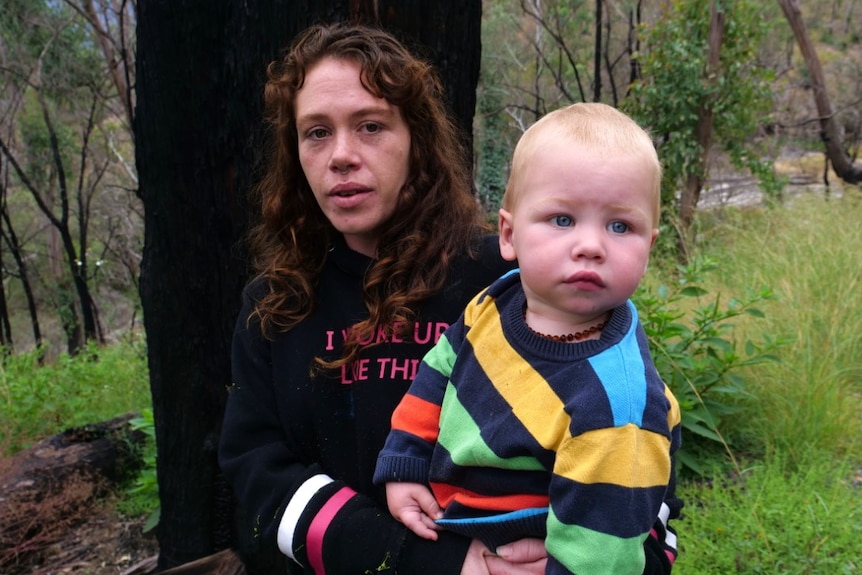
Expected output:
(693, 291)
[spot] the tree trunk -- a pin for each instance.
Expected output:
(446, 32)
(11, 240)
(5, 326)
(597, 54)
(703, 132)
(199, 78)
(830, 131)
(200, 73)
(118, 64)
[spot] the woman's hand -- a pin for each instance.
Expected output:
(474, 561)
(523, 557)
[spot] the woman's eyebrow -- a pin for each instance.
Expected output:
(317, 116)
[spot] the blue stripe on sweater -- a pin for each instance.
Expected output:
(626, 391)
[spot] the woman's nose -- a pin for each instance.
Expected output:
(344, 157)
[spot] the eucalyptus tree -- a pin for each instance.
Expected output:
(55, 139)
(702, 87)
(831, 133)
(539, 55)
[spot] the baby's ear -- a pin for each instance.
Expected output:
(654, 237)
(651, 245)
(507, 248)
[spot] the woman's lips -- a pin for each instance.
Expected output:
(348, 195)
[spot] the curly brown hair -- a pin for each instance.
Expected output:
(437, 216)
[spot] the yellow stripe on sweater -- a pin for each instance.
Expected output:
(533, 401)
(627, 456)
(609, 455)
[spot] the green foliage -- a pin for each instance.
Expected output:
(774, 518)
(48, 44)
(694, 349)
(795, 508)
(96, 385)
(65, 135)
(539, 57)
(808, 250)
(37, 157)
(493, 152)
(143, 496)
(675, 89)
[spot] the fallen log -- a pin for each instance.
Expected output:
(225, 562)
(50, 487)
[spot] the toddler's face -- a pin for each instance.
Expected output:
(581, 228)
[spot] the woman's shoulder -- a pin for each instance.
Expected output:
(254, 290)
(475, 271)
(485, 260)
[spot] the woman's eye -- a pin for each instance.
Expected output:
(317, 133)
(372, 128)
(562, 221)
(619, 227)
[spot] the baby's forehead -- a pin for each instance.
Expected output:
(570, 152)
(576, 162)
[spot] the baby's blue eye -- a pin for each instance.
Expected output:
(618, 227)
(563, 221)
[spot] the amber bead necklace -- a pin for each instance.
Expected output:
(569, 337)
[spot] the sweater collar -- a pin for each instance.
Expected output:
(615, 329)
(346, 259)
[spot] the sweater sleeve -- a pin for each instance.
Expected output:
(293, 517)
(339, 532)
(406, 456)
(610, 484)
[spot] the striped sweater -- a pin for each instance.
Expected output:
(516, 433)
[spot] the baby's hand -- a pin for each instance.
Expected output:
(414, 505)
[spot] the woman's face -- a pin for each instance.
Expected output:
(354, 149)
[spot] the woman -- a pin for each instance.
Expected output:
(369, 244)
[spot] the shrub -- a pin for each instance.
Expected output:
(100, 383)
(696, 354)
(143, 496)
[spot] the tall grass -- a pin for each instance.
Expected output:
(795, 504)
(810, 253)
(97, 384)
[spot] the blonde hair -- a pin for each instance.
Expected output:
(600, 127)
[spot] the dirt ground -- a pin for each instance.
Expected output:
(105, 544)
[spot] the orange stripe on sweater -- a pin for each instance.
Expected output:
(418, 417)
(446, 494)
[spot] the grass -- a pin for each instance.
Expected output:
(98, 384)
(775, 517)
(790, 500)
(794, 504)
(808, 252)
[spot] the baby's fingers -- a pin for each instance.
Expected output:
(429, 505)
(420, 524)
